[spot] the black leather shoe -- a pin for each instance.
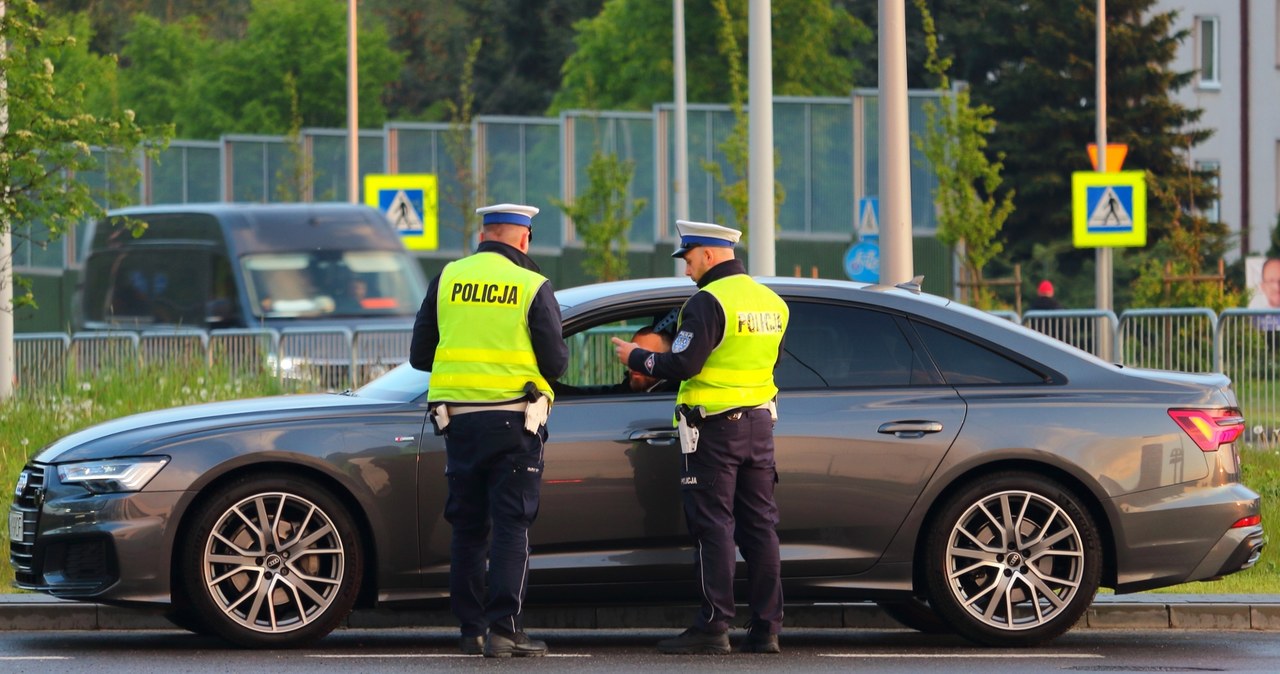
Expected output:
(694, 641)
(518, 645)
(760, 642)
(471, 645)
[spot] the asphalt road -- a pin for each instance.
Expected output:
(616, 651)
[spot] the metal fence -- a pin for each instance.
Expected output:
(1244, 344)
(304, 359)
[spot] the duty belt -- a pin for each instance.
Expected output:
(517, 406)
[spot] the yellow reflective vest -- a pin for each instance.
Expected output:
(739, 371)
(485, 353)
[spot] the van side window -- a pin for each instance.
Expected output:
(139, 287)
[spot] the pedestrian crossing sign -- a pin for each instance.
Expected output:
(410, 202)
(1109, 209)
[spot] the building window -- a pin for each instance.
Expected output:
(1212, 211)
(1208, 56)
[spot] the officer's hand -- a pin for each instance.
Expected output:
(623, 349)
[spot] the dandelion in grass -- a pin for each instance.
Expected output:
(85, 386)
(186, 390)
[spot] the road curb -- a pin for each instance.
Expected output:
(1141, 611)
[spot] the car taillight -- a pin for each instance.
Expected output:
(1249, 521)
(1210, 428)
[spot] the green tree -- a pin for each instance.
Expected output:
(970, 214)
(603, 215)
(155, 79)
(525, 44)
(295, 178)
(1034, 64)
(242, 86)
(47, 135)
(460, 144)
(625, 53)
(111, 20)
(736, 147)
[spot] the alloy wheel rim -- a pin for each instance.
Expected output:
(273, 562)
(1015, 560)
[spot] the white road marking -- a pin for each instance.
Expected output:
(431, 655)
(6, 658)
(940, 656)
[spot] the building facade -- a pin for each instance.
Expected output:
(1234, 50)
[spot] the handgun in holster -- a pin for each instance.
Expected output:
(688, 419)
(535, 415)
(439, 416)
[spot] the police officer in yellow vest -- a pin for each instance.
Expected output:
(489, 333)
(727, 344)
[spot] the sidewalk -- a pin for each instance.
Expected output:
(1135, 611)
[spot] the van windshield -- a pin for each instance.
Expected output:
(331, 283)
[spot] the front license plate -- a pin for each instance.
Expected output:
(15, 526)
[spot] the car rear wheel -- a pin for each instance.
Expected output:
(272, 561)
(916, 614)
(1013, 560)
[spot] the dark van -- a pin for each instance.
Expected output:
(223, 265)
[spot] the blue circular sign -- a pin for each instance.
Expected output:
(862, 260)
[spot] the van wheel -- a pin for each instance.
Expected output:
(272, 562)
(1012, 560)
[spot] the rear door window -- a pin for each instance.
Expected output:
(834, 346)
(964, 362)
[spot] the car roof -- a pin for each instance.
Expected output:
(284, 227)
(617, 291)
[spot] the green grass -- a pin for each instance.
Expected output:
(34, 418)
(30, 421)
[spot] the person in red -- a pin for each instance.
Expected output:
(1044, 297)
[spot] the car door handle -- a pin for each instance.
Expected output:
(660, 438)
(910, 429)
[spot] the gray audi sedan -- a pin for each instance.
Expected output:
(965, 473)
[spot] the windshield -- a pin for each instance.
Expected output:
(401, 384)
(331, 283)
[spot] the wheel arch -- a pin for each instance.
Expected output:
(368, 580)
(1069, 481)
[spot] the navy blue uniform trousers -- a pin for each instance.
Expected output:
(727, 488)
(494, 471)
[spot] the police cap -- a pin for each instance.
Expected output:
(694, 234)
(512, 214)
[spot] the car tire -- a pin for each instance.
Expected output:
(272, 562)
(915, 613)
(186, 618)
(1013, 559)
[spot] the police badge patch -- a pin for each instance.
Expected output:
(682, 341)
(648, 363)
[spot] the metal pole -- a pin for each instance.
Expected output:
(760, 118)
(682, 118)
(6, 249)
(353, 109)
(895, 149)
(1103, 261)
(681, 145)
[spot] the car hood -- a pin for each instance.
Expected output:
(108, 439)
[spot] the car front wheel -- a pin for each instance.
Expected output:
(1013, 560)
(272, 562)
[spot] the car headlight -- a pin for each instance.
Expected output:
(112, 475)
